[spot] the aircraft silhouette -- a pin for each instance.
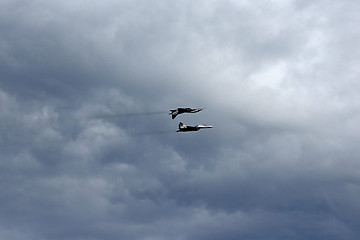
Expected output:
(175, 112)
(184, 128)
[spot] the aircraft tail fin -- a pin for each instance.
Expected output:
(174, 114)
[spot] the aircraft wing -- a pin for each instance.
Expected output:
(195, 110)
(204, 126)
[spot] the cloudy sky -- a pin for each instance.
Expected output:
(89, 152)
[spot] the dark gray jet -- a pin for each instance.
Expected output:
(175, 112)
(184, 128)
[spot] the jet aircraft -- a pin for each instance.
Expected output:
(184, 128)
(175, 112)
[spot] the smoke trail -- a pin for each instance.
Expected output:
(109, 116)
(153, 132)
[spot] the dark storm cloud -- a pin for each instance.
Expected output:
(88, 150)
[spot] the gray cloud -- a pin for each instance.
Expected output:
(89, 152)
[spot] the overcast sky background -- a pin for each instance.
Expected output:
(89, 152)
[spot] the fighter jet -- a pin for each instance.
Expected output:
(184, 128)
(175, 112)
